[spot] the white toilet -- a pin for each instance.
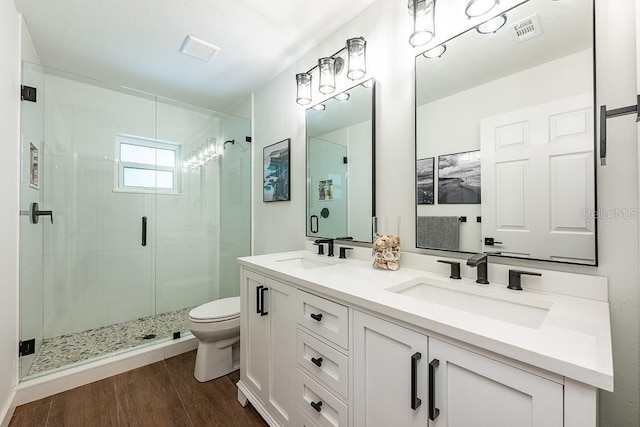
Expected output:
(217, 325)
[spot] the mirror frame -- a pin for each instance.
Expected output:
(595, 145)
(373, 161)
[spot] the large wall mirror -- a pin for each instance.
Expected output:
(505, 136)
(340, 165)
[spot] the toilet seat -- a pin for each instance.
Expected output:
(216, 311)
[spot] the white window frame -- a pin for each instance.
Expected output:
(119, 166)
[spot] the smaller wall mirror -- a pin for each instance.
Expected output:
(340, 165)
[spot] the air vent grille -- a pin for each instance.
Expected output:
(200, 49)
(527, 28)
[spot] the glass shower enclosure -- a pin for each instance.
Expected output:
(133, 210)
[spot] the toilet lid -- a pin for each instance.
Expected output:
(217, 310)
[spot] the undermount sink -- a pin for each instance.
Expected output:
(306, 263)
(518, 309)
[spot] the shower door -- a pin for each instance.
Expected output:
(86, 266)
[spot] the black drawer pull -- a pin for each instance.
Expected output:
(433, 411)
(317, 362)
(258, 288)
(317, 317)
(317, 406)
(415, 400)
(262, 291)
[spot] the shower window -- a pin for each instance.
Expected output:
(147, 166)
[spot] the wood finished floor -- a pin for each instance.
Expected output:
(161, 394)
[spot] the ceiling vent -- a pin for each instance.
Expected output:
(200, 49)
(527, 28)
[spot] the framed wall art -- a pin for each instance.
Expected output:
(276, 162)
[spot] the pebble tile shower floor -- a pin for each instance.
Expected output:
(70, 349)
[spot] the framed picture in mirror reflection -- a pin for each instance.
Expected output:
(459, 178)
(275, 184)
(425, 181)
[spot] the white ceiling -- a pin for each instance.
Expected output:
(135, 43)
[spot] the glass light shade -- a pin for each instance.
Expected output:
(319, 107)
(492, 25)
(423, 12)
(356, 56)
(303, 81)
(343, 96)
(369, 83)
(435, 52)
(327, 71)
(477, 8)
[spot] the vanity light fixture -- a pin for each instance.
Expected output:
(319, 107)
(327, 72)
(208, 151)
(435, 52)
(492, 25)
(356, 55)
(331, 66)
(477, 8)
(423, 13)
(343, 96)
(303, 81)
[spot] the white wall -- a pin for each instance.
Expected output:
(9, 161)
(385, 25)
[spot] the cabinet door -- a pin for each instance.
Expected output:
(254, 336)
(473, 390)
(386, 391)
(279, 302)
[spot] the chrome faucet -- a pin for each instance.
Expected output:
(479, 261)
(329, 243)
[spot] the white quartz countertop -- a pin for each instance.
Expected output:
(574, 340)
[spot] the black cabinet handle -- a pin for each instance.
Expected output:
(317, 317)
(415, 401)
(433, 411)
(262, 291)
(144, 231)
(317, 406)
(317, 362)
(258, 289)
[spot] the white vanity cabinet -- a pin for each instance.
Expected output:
(396, 369)
(474, 390)
(268, 347)
(321, 354)
(390, 376)
(322, 388)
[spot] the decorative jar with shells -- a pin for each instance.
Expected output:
(386, 243)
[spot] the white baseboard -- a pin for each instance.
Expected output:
(7, 412)
(47, 385)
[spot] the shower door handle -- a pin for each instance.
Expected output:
(35, 213)
(144, 231)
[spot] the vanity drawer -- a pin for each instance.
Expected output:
(333, 369)
(326, 318)
(303, 420)
(327, 410)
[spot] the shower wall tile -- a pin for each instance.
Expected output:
(186, 276)
(71, 192)
(82, 119)
(73, 295)
(127, 282)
